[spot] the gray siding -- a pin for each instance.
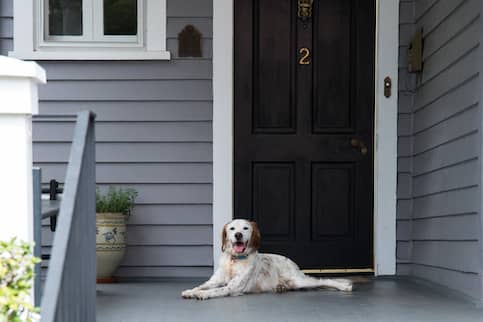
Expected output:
(439, 146)
(6, 26)
(154, 133)
(405, 125)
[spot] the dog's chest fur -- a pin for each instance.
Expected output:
(235, 267)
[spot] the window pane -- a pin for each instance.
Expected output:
(65, 17)
(120, 17)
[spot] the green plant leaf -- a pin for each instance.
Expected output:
(116, 200)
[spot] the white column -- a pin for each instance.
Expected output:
(222, 119)
(18, 102)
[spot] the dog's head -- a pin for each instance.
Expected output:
(240, 237)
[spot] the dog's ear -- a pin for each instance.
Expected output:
(223, 238)
(255, 239)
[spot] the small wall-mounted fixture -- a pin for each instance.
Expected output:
(189, 42)
(415, 53)
(387, 87)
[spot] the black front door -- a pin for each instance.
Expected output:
(304, 119)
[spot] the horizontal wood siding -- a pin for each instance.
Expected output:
(405, 130)
(154, 133)
(439, 155)
(6, 26)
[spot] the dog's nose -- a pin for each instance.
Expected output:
(238, 236)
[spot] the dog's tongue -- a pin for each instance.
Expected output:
(239, 248)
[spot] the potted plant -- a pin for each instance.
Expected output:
(112, 212)
(16, 279)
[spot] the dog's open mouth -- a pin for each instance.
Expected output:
(239, 247)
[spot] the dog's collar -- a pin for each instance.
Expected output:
(240, 257)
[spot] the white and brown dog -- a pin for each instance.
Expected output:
(243, 270)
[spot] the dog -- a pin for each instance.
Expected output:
(243, 270)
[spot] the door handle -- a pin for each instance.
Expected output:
(359, 144)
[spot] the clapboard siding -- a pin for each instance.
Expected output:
(147, 90)
(146, 272)
(142, 70)
(176, 193)
(109, 173)
(154, 133)
(447, 130)
(439, 231)
(405, 130)
(448, 80)
(445, 203)
(6, 27)
(450, 24)
(460, 98)
(447, 154)
(129, 152)
(460, 255)
(169, 255)
(153, 235)
(446, 179)
(186, 131)
(450, 52)
(133, 111)
(181, 214)
(460, 227)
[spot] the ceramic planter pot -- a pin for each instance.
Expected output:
(110, 243)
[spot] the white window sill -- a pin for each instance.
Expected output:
(114, 54)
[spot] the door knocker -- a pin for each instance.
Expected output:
(305, 9)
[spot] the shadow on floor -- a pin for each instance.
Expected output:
(380, 300)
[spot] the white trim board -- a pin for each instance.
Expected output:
(385, 161)
(30, 43)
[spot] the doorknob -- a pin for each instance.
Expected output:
(359, 144)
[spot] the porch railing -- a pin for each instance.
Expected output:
(70, 289)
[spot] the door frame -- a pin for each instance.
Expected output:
(385, 135)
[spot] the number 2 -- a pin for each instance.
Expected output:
(305, 59)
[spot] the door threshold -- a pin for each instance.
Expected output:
(338, 271)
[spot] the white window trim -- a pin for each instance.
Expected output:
(29, 43)
(385, 159)
(92, 33)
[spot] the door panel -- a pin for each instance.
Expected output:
(332, 182)
(332, 65)
(273, 49)
(304, 132)
(273, 209)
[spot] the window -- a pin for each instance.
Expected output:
(90, 29)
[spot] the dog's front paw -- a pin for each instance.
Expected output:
(187, 294)
(200, 295)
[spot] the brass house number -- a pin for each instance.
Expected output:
(305, 56)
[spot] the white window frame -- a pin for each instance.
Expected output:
(148, 44)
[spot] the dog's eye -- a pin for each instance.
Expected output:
(232, 228)
(245, 228)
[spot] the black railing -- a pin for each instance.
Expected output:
(70, 288)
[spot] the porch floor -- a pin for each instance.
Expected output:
(379, 300)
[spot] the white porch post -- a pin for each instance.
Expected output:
(222, 120)
(18, 102)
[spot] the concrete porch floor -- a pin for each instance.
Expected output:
(388, 300)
